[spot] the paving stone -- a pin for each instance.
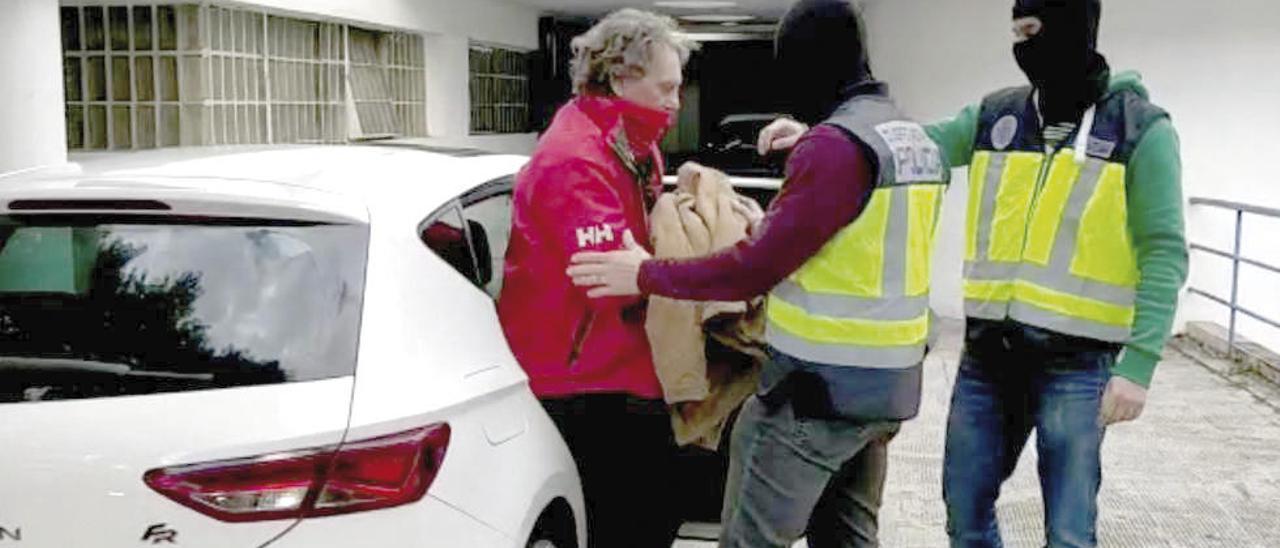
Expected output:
(1200, 469)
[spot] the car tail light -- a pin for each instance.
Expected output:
(364, 475)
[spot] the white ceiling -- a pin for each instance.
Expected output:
(765, 10)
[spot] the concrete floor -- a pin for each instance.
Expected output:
(1201, 468)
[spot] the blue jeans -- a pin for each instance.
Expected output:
(1014, 378)
(793, 476)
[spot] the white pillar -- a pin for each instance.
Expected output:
(447, 64)
(32, 126)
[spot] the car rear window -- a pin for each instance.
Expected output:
(94, 306)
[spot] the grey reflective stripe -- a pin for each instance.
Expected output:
(1030, 314)
(987, 209)
(850, 307)
(982, 268)
(1064, 244)
(1052, 277)
(869, 357)
(987, 310)
(1061, 279)
(989, 270)
(895, 243)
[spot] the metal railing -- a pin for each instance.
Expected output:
(1236, 260)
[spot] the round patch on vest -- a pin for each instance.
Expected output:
(1003, 132)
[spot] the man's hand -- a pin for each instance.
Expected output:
(1122, 401)
(781, 134)
(611, 273)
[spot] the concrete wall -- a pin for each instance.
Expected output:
(32, 126)
(1212, 66)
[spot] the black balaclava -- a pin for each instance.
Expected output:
(820, 57)
(1062, 61)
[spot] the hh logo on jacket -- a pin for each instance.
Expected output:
(594, 235)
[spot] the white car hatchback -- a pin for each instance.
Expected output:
(268, 346)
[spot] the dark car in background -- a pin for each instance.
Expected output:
(731, 147)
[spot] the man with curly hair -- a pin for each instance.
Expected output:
(593, 177)
(843, 253)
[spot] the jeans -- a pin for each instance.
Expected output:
(791, 476)
(625, 453)
(1012, 379)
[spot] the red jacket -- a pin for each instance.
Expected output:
(580, 191)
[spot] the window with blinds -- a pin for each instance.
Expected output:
(145, 76)
(499, 90)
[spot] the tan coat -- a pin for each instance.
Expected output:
(698, 219)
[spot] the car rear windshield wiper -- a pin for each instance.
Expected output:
(19, 364)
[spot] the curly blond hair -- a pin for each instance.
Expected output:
(619, 46)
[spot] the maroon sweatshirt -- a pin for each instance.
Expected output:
(828, 181)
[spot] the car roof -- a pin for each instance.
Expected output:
(749, 117)
(766, 183)
(336, 178)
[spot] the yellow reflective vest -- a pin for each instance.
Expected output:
(863, 301)
(1047, 238)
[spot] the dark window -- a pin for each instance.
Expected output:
(97, 307)
(474, 241)
(443, 234)
(489, 220)
(499, 90)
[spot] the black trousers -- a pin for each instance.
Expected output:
(625, 452)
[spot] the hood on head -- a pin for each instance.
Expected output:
(1129, 80)
(820, 54)
(1062, 60)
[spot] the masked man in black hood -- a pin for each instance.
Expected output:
(843, 253)
(1074, 256)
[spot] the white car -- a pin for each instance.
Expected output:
(268, 346)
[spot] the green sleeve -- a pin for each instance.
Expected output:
(1154, 193)
(955, 136)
